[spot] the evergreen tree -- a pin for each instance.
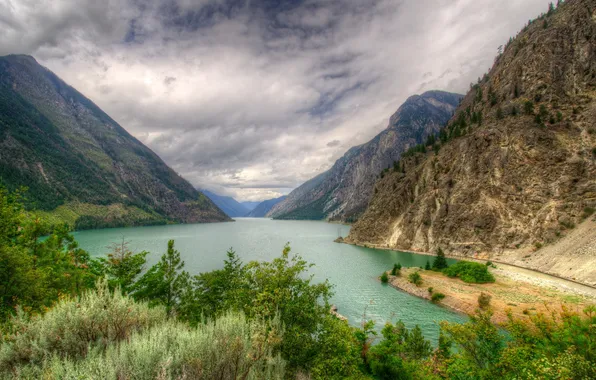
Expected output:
(165, 282)
(440, 262)
(122, 266)
(427, 266)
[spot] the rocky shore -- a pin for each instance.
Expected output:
(517, 296)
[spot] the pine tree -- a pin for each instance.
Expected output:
(440, 262)
(165, 282)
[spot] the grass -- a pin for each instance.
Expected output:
(115, 214)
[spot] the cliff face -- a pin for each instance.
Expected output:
(517, 165)
(343, 192)
(76, 159)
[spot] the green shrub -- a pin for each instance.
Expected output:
(415, 278)
(484, 300)
(529, 107)
(470, 272)
(107, 335)
(231, 347)
(384, 278)
(588, 211)
(396, 271)
(437, 297)
(73, 327)
(430, 290)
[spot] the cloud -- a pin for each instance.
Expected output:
(252, 98)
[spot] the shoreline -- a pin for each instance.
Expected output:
(555, 280)
(509, 295)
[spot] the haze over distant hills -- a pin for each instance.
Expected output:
(250, 205)
(264, 207)
(342, 192)
(236, 209)
(229, 205)
(81, 166)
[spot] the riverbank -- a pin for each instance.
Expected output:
(563, 263)
(517, 296)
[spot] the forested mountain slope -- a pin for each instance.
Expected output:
(81, 166)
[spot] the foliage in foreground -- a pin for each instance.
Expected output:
(109, 336)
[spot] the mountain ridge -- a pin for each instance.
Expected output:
(264, 207)
(75, 158)
(342, 192)
(516, 166)
(228, 205)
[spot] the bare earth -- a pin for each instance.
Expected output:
(573, 256)
(514, 291)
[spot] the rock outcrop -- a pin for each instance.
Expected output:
(342, 193)
(516, 168)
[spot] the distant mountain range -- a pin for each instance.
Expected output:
(264, 207)
(236, 209)
(79, 165)
(250, 205)
(342, 192)
(229, 205)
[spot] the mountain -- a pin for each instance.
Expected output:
(250, 205)
(229, 205)
(79, 165)
(342, 192)
(264, 207)
(516, 170)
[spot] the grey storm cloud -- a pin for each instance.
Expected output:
(251, 98)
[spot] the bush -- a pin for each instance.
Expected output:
(384, 278)
(72, 328)
(484, 300)
(529, 107)
(229, 348)
(109, 336)
(437, 297)
(588, 211)
(470, 272)
(415, 278)
(396, 271)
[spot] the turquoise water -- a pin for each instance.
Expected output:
(352, 270)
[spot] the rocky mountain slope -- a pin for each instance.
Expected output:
(342, 192)
(516, 168)
(264, 207)
(229, 205)
(78, 163)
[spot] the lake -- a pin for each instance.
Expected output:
(352, 270)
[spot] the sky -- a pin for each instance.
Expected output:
(252, 98)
